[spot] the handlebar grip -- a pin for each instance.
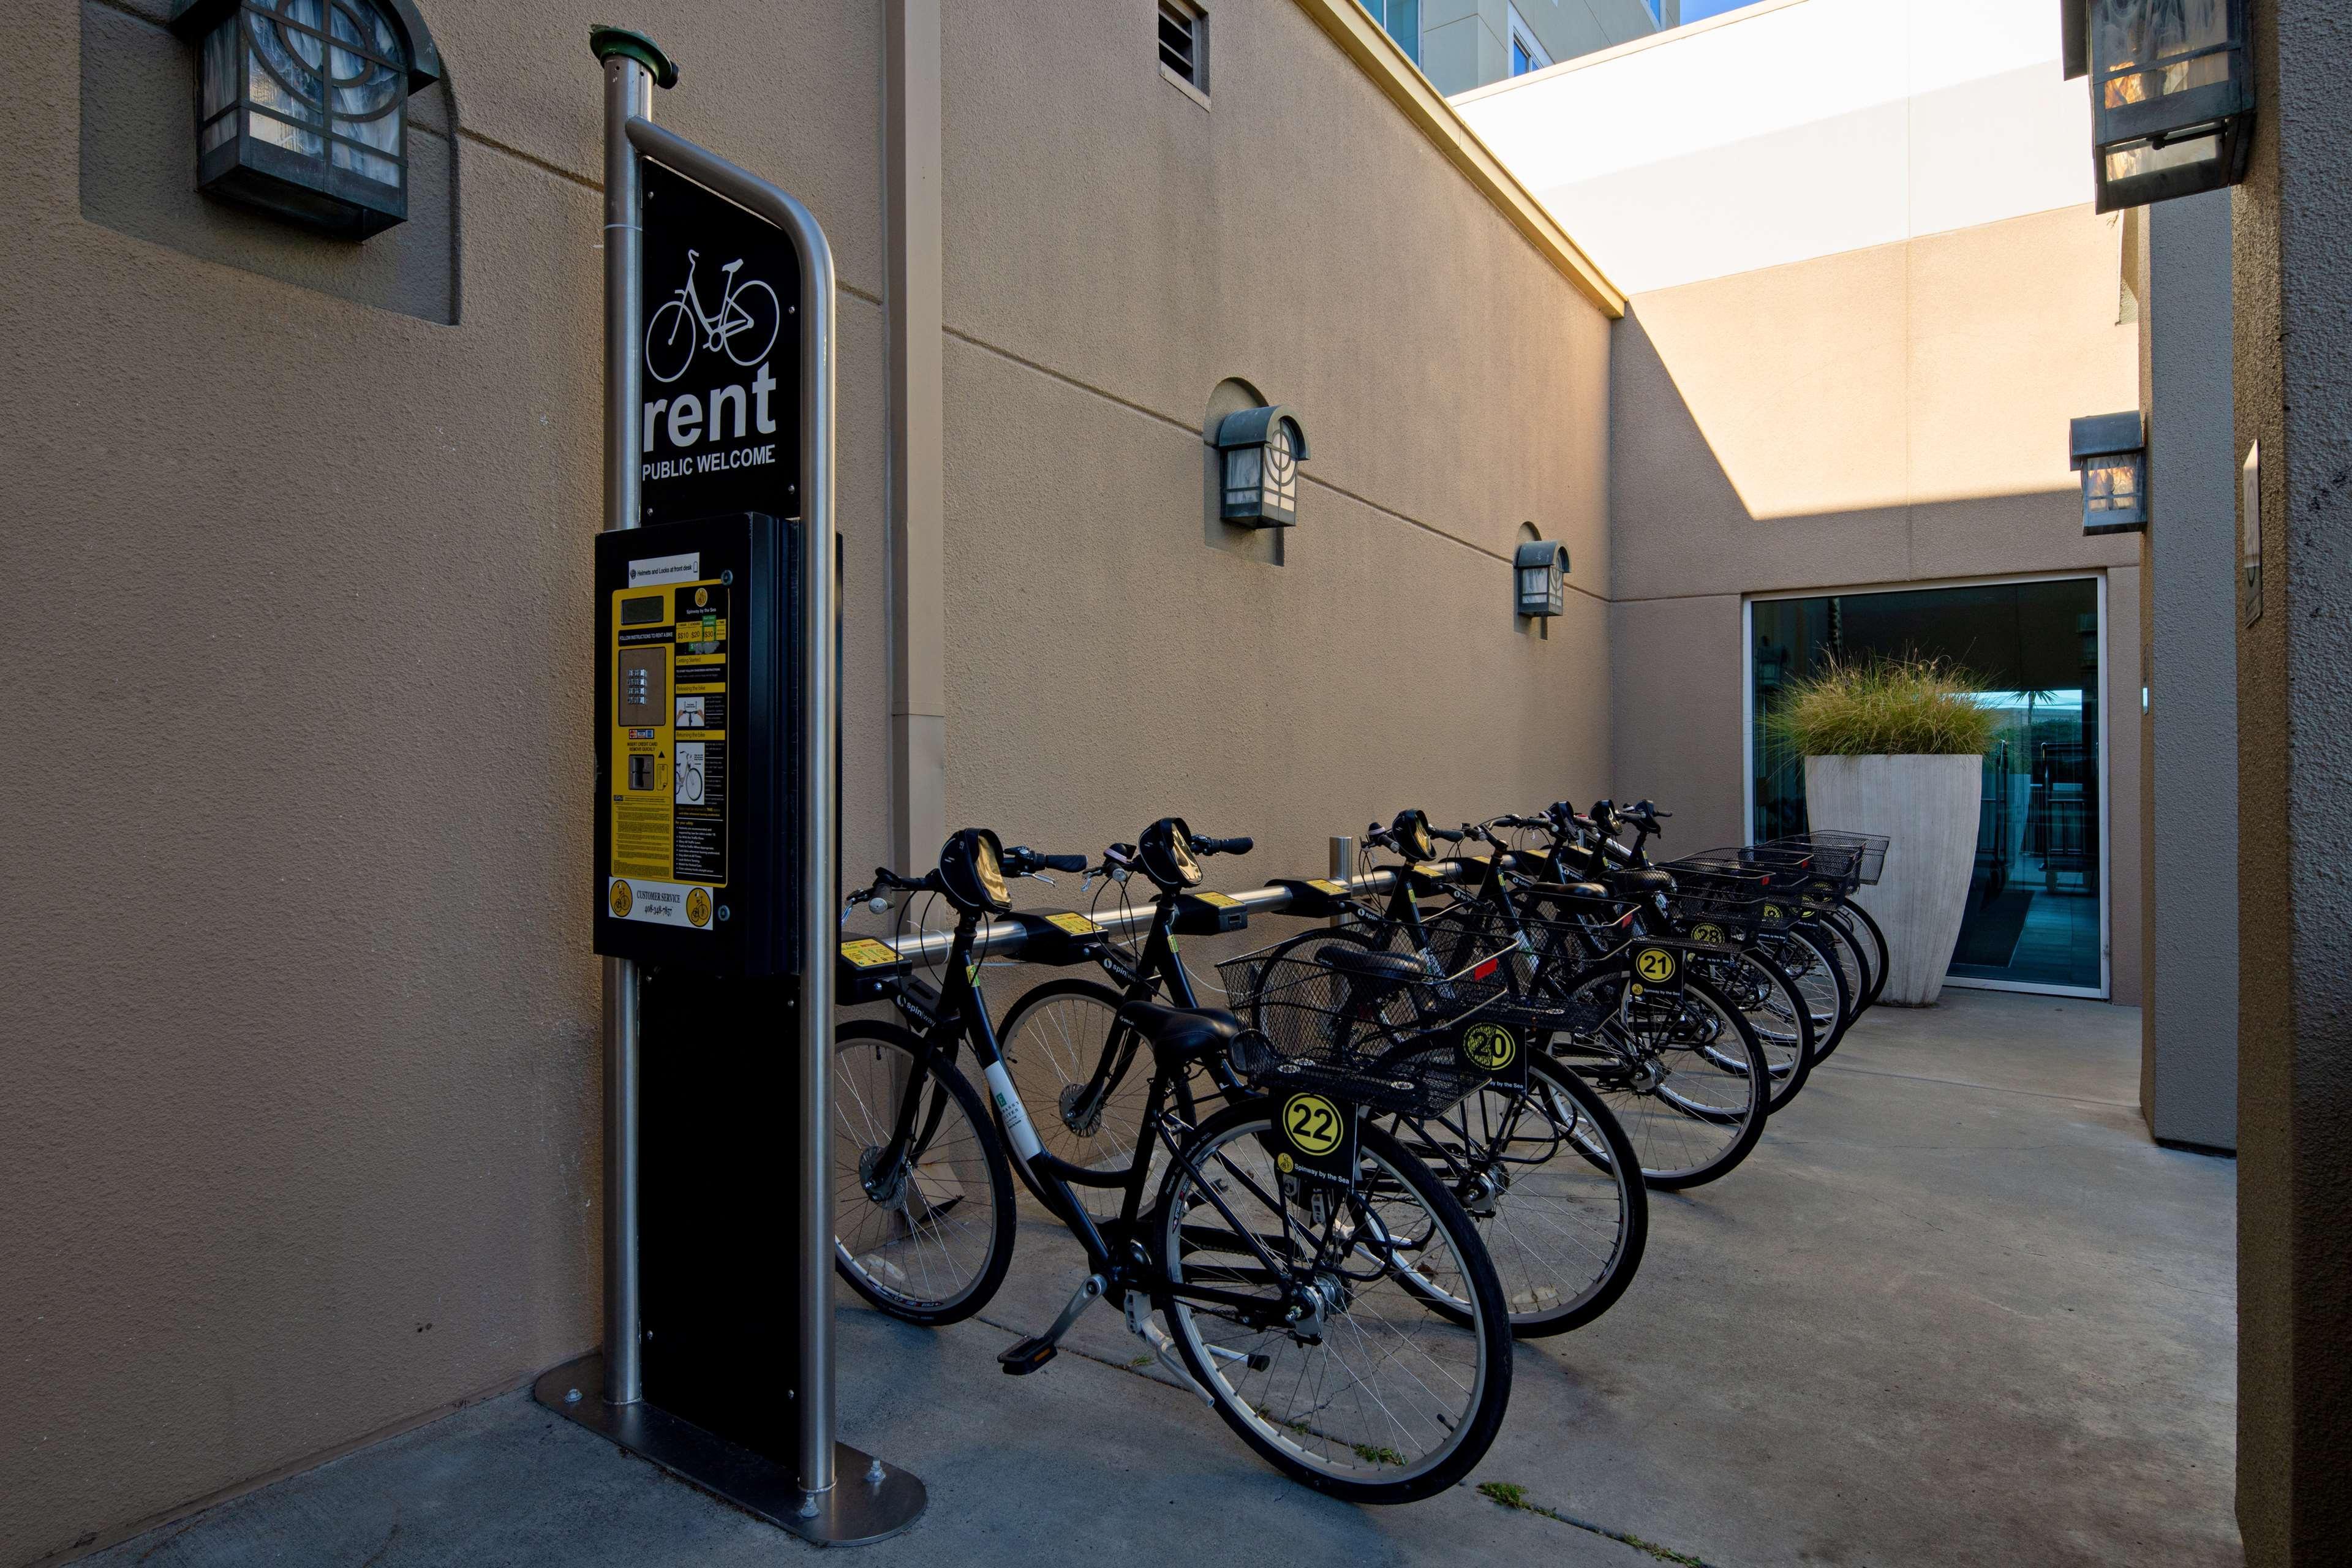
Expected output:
(1447, 835)
(1063, 862)
(1241, 846)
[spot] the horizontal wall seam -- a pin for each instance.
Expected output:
(585, 184)
(1194, 433)
(533, 159)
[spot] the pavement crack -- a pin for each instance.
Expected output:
(377, 1556)
(1511, 1495)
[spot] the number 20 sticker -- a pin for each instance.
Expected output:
(1312, 1123)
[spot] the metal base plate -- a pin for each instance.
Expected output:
(870, 1501)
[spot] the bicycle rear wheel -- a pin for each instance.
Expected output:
(925, 1238)
(1868, 929)
(1683, 1074)
(1054, 1039)
(1565, 1232)
(1778, 1014)
(1366, 1395)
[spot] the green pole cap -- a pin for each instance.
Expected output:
(630, 44)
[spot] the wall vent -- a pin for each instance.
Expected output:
(1184, 43)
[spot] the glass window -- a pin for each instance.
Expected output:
(1400, 19)
(2033, 914)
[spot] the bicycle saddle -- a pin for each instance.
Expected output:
(1181, 1031)
(1638, 879)
(1571, 890)
(1384, 969)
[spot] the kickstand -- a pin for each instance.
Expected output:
(1140, 1324)
(1026, 1357)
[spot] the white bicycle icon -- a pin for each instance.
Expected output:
(748, 313)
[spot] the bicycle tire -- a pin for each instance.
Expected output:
(1746, 1122)
(1798, 1018)
(1877, 941)
(1823, 960)
(1351, 1466)
(1060, 1137)
(1867, 976)
(1516, 1257)
(856, 1120)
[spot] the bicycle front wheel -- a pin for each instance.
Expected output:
(1337, 1372)
(925, 1235)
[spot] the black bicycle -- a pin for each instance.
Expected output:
(1294, 1247)
(1669, 1055)
(1566, 1231)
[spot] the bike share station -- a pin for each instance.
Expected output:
(717, 848)
(717, 828)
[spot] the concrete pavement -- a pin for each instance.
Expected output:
(1957, 1308)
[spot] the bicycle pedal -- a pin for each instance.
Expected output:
(1020, 1359)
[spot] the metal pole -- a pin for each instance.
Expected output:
(628, 95)
(813, 1284)
(820, 885)
(1343, 865)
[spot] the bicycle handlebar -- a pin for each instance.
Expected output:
(1447, 835)
(1204, 846)
(1023, 861)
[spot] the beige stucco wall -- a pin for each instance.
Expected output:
(1107, 662)
(301, 1037)
(1865, 419)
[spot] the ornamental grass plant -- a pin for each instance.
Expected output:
(1884, 706)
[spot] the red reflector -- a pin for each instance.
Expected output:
(1627, 919)
(1486, 969)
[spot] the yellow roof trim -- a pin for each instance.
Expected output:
(1364, 42)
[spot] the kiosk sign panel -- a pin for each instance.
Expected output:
(697, 772)
(719, 431)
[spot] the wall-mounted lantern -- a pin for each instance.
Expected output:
(1540, 571)
(2172, 95)
(1261, 449)
(301, 106)
(2111, 453)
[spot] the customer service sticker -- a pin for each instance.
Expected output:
(675, 904)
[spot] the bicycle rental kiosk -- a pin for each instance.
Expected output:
(717, 828)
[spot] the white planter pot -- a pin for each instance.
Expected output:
(1927, 807)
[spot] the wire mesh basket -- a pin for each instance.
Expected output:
(1377, 1028)
(1735, 900)
(1868, 849)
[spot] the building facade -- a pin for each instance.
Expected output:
(304, 1133)
(1868, 295)
(1463, 44)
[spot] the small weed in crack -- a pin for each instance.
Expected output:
(1510, 1494)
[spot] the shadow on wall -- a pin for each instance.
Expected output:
(1772, 467)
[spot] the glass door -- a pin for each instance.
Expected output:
(2034, 912)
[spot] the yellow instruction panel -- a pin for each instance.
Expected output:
(668, 860)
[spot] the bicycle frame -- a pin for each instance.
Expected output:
(1114, 1249)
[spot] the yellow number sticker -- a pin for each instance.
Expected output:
(1312, 1123)
(1490, 1046)
(1771, 911)
(1654, 965)
(866, 952)
(1708, 932)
